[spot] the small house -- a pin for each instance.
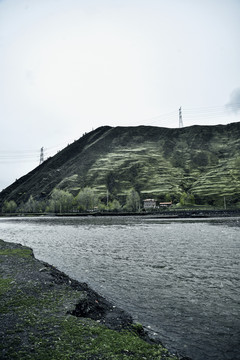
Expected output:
(149, 204)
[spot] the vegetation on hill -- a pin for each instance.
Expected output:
(197, 164)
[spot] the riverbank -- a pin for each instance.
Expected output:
(45, 315)
(167, 213)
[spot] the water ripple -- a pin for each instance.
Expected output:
(179, 278)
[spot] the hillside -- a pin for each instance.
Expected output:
(201, 160)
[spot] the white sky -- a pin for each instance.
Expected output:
(68, 66)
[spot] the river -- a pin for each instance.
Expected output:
(179, 278)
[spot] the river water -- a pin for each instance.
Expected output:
(179, 278)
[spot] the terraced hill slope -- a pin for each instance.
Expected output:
(201, 160)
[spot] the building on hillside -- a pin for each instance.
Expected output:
(149, 204)
(165, 204)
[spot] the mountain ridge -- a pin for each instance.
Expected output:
(155, 161)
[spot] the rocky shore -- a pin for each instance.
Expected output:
(45, 315)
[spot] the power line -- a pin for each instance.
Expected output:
(194, 114)
(164, 119)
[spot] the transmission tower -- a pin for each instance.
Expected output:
(180, 118)
(41, 156)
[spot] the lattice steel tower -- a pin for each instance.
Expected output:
(180, 118)
(41, 155)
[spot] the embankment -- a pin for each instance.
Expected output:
(46, 315)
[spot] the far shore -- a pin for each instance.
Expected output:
(165, 214)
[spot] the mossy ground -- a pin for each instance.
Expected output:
(36, 321)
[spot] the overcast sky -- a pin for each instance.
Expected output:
(70, 66)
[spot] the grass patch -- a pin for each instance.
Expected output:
(17, 252)
(73, 338)
(5, 285)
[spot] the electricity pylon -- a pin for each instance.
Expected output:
(41, 156)
(180, 118)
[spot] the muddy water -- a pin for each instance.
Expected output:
(179, 278)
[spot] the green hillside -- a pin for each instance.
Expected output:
(156, 162)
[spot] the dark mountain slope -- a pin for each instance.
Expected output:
(203, 160)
